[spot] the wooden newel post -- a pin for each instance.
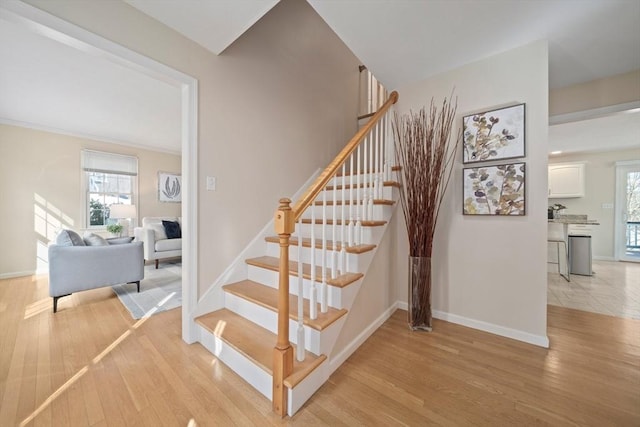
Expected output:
(283, 352)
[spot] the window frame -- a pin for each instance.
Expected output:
(86, 191)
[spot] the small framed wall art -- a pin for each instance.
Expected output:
(494, 135)
(169, 187)
(494, 190)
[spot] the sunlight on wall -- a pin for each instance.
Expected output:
(47, 220)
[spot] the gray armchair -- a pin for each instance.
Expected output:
(79, 268)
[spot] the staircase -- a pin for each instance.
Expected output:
(324, 246)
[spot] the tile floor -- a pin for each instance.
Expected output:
(614, 289)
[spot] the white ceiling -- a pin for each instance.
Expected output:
(404, 41)
(213, 24)
(49, 85)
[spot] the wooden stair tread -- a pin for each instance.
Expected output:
(272, 263)
(348, 202)
(306, 242)
(256, 343)
(339, 222)
(348, 186)
(268, 297)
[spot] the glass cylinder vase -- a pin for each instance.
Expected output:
(420, 293)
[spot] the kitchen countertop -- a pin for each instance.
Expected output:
(574, 219)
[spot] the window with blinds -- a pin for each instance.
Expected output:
(109, 179)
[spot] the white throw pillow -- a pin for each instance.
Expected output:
(158, 230)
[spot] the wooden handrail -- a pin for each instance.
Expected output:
(321, 182)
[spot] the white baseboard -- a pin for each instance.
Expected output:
(539, 340)
(340, 358)
(603, 258)
(18, 274)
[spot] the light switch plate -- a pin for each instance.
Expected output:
(211, 183)
(607, 206)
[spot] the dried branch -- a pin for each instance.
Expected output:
(426, 157)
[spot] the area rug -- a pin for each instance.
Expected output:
(160, 290)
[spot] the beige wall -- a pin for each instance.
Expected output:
(274, 107)
(600, 188)
(614, 90)
(41, 184)
(490, 272)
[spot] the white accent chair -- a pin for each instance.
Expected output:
(156, 244)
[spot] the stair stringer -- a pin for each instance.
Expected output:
(213, 298)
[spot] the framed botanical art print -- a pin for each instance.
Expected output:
(494, 135)
(494, 190)
(169, 187)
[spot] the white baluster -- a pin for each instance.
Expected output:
(351, 223)
(323, 287)
(383, 177)
(387, 152)
(358, 230)
(376, 169)
(365, 193)
(313, 295)
(300, 341)
(334, 230)
(370, 199)
(342, 219)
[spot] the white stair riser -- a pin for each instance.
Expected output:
(260, 379)
(378, 213)
(317, 342)
(387, 193)
(338, 297)
(253, 374)
(305, 389)
(351, 261)
(370, 235)
(368, 176)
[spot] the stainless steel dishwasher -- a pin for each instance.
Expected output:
(580, 255)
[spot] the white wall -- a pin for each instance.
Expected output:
(600, 189)
(490, 272)
(274, 107)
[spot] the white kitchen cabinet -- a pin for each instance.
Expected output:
(566, 180)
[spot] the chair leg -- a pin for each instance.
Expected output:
(138, 284)
(566, 277)
(55, 302)
(156, 264)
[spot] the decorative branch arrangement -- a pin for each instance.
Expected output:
(426, 157)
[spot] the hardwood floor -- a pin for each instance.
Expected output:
(91, 364)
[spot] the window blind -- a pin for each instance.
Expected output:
(98, 161)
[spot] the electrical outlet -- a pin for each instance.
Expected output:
(211, 183)
(607, 206)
